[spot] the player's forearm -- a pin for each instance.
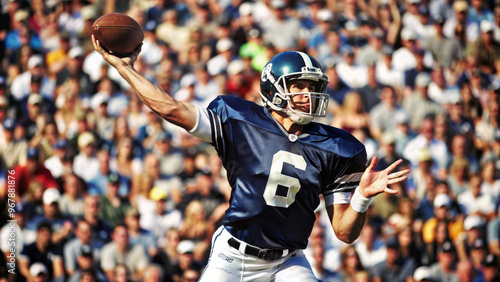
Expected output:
(349, 225)
(346, 222)
(176, 112)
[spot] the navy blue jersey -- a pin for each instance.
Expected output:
(276, 179)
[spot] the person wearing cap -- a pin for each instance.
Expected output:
(82, 246)
(395, 267)
(474, 230)
(113, 207)
(55, 162)
(170, 157)
(139, 235)
(372, 52)
(33, 169)
(461, 18)
(62, 227)
(444, 268)
(441, 204)
(185, 249)
(239, 80)
(42, 251)
(73, 69)
(160, 219)
(218, 64)
(12, 151)
(21, 86)
(353, 74)
(486, 48)
(86, 164)
(404, 58)
(22, 235)
(475, 202)
(422, 273)
(121, 251)
(490, 268)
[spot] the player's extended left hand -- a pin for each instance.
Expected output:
(374, 182)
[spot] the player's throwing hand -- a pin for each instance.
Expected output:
(114, 60)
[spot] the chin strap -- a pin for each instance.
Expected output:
(299, 119)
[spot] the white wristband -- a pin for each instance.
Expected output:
(359, 203)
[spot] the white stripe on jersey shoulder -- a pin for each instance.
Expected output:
(349, 178)
(202, 128)
(307, 60)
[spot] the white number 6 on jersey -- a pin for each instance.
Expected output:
(277, 178)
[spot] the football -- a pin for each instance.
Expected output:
(118, 33)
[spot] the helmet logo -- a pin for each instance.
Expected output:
(266, 72)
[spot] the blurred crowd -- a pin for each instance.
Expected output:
(105, 190)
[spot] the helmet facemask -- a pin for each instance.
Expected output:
(318, 100)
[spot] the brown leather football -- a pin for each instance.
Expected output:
(118, 33)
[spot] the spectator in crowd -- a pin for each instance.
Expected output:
(33, 170)
(444, 268)
(167, 257)
(79, 249)
(473, 231)
(350, 264)
(99, 183)
(486, 48)
(383, 115)
(466, 272)
(160, 219)
(61, 227)
(442, 204)
(44, 252)
(475, 202)
(460, 20)
(55, 161)
(445, 50)
(394, 267)
(85, 164)
(113, 207)
(12, 151)
(120, 251)
(138, 235)
(170, 157)
(196, 228)
(419, 104)
(491, 183)
(71, 202)
(490, 268)
(351, 115)
(493, 234)
(101, 229)
(426, 140)
(370, 247)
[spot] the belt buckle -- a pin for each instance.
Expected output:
(268, 254)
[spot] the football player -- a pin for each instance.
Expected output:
(278, 163)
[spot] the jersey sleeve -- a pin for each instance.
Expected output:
(347, 179)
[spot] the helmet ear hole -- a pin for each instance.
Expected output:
(277, 100)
